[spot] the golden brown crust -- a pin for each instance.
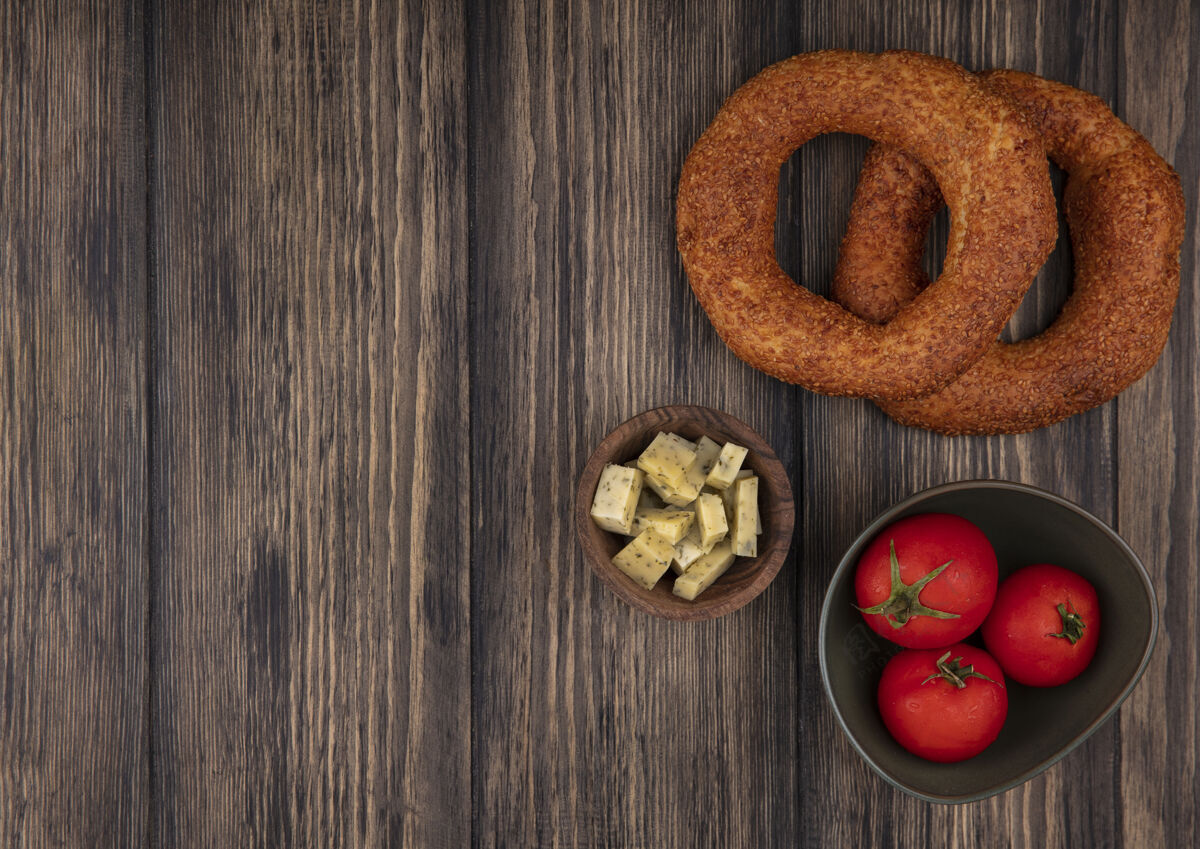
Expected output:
(1125, 211)
(885, 262)
(984, 156)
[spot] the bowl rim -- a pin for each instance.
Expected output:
(770, 563)
(886, 517)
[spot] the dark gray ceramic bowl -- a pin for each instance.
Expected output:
(1025, 525)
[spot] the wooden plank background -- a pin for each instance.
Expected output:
(74, 739)
(313, 312)
(310, 424)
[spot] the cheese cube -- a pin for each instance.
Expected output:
(667, 493)
(707, 452)
(701, 574)
(710, 519)
(744, 528)
(676, 439)
(646, 558)
(616, 498)
(670, 522)
(687, 551)
(730, 493)
(667, 458)
(729, 462)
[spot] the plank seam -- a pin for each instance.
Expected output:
(150, 366)
(469, 36)
(1118, 100)
(1117, 81)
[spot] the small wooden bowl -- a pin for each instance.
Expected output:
(747, 577)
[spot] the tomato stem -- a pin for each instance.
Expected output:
(1072, 625)
(904, 602)
(953, 672)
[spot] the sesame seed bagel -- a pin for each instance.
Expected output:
(983, 155)
(1124, 207)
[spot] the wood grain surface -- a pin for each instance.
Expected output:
(74, 740)
(312, 314)
(310, 529)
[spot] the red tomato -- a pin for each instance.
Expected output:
(1045, 625)
(945, 704)
(926, 581)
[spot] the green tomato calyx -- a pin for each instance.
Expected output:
(1072, 625)
(953, 672)
(904, 602)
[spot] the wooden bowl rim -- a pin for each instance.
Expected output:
(778, 537)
